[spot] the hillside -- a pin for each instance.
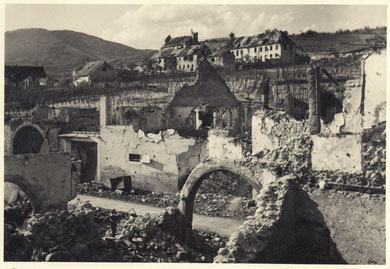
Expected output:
(62, 51)
(314, 43)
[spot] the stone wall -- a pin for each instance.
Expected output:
(320, 227)
(45, 178)
(268, 236)
(165, 158)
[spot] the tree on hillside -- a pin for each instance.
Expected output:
(232, 36)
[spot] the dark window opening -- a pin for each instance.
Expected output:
(27, 140)
(134, 157)
(207, 118)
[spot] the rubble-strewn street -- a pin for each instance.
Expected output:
(84, 233)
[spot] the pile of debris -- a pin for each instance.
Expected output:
(85, 233)
(293, 156)
(221, 194)
(374, 156)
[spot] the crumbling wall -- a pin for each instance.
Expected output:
(148, 119)
(271, 130)
(158, 161)
(45, 178)
(374, 156)
(268, 236)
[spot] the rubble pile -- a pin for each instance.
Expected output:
(255, 239)
(374, 156)
(293, 156)
(16, 212)
(84, 233)
(214, 198)
(289, 147)
(224, 194)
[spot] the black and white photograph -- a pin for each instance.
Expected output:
(202, 133)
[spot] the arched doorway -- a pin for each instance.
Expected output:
(30, 191)
(27, 140)
(196, 178)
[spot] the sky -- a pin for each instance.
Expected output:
(146, 26)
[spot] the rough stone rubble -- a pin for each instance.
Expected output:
(85, 233)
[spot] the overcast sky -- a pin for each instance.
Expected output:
(146, 26)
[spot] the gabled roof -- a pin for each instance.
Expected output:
(263, 39)
(190, 50)
(18, 73)
(218, 44)
(177, 41)
(209, 89)
(86, 70)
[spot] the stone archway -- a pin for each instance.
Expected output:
(29, 138)
(30, 190)
(195, 179)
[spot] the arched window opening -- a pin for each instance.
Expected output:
(27, 140)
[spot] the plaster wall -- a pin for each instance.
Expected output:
(337, 153)
(46, 178)
(222, 147)
(166, 157)
(375, 89)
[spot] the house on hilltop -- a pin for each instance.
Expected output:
(269, 46)
(25, 77)
(207, 104)
(97, 71)
(180, 54)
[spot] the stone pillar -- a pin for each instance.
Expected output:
(313, 78)
(105, 111)
(198, 122)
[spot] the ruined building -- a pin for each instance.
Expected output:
(180, 54)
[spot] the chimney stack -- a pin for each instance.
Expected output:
(194, 37)
(87, 64)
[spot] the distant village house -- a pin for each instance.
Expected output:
(270, 46)
(97, 71)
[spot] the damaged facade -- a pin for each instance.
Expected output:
(181, 54)
(159, 145)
